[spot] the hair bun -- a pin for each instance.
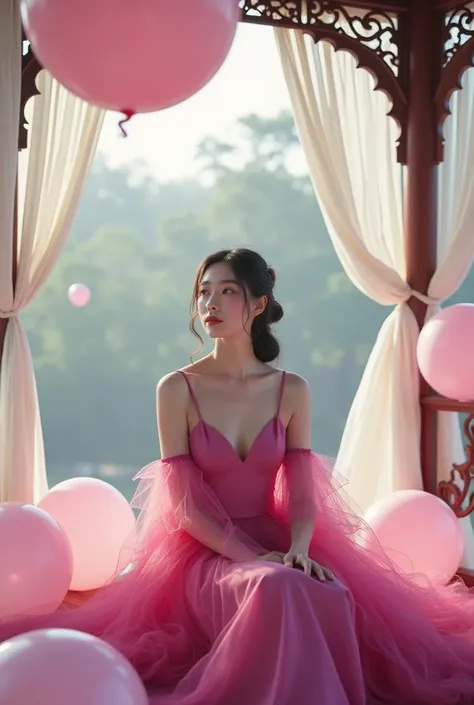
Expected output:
(276, 312)
(272, 274)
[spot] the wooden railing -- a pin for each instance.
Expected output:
(458, 489)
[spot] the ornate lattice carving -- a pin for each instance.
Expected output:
(457, 490)
(376, 30)
(30, 68)
(281, 13)
(458, 29)
(458, 56)
(373, 37)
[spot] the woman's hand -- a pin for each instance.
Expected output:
(310, 567)
(273, 557)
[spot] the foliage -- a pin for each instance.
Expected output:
(136, 243)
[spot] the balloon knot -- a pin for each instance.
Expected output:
(128, 116)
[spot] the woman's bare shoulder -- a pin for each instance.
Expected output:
(297, 391)
(171, 385)
(174, 383)
(296, 383)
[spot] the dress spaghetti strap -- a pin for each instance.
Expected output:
(193, 396)
(280, 396)
(191, 392)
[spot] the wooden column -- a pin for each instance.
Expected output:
(424, 32)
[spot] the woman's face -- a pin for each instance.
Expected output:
(221, 303)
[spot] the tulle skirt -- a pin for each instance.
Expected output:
(201, 629)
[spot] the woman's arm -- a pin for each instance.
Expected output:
(298, 435)
(172, 398)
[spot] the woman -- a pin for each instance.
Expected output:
(254, 583)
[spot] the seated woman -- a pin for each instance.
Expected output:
(254, 583)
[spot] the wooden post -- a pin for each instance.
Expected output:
(424, 29)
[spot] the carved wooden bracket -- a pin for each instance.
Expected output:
(458, 56)
(374, 32)
(457, 489)
(374, 37)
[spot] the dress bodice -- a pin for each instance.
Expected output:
(244, 487)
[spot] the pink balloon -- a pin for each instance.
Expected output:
(420, 533)
(36, 561)
(444, 352)
(79, 295)
(131, 55)
(65, 667)
(100, 526)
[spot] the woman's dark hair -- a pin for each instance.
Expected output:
(256, 279)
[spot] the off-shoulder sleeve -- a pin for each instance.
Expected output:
(308, 485)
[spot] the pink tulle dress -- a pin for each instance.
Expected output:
(204, 630)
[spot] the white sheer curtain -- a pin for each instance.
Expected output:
(350, 146)
(62, 142)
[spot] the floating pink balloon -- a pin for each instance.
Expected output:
(420, 533)
(445, 352)
(79, 295)
(131, 55)
(36, 561)
(66, 667)
(99, 524)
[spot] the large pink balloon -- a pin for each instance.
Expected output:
(445, 352)
(99, 524)
(65, 667)
(131, 55)
(79, 295)
(420, 533)
(36, 561)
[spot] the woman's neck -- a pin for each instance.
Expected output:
(235, 358)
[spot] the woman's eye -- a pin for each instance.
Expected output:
(203, 292)
(228, 291)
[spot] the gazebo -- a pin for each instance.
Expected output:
(389, 143)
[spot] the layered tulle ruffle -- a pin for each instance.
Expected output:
(416, 640)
